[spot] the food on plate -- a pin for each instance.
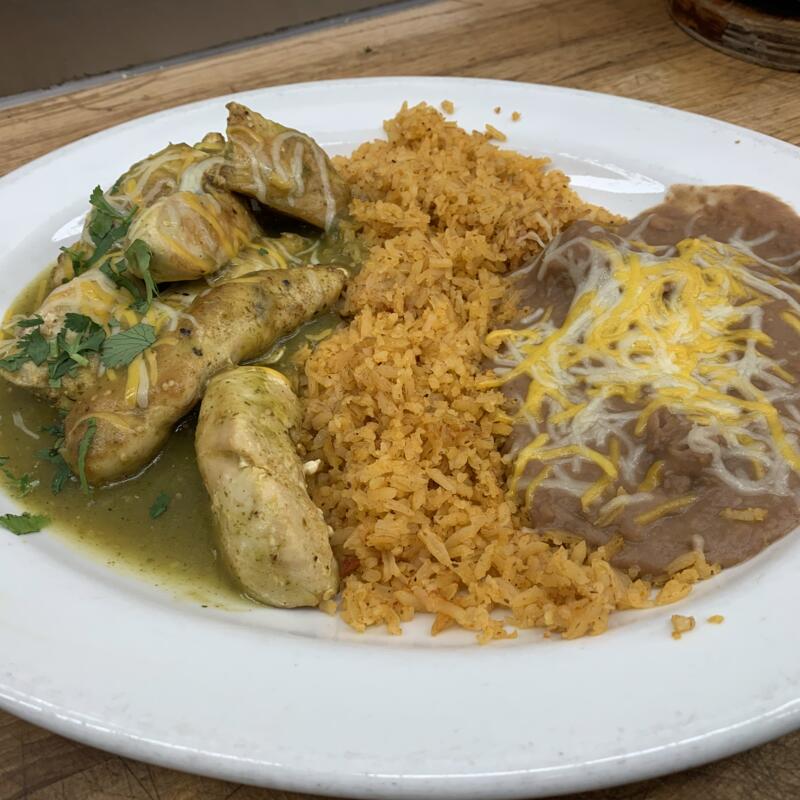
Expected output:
(57, 352)
(280, 167)
(131, 418)
(176, 167)
(265, 252)
(273, 539)
(681, 624)
(467, 392)
(192, 234)
(655, 373)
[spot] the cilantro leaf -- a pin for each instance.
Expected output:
(121, 348)
(30, 347)
(107, 226)
(77, 258)
(83, 448)
(36, 347)
(160, 505)
(71, 352)
(98, 200)
(26, 522)
(77, 322)
(53, 455)
(62, 474)
(56, 429)
(63, 353)
(119, 277)
(100, 225)
(138, 257)
(23, 484)
(103, 245)
(33, 322)
(134, 264)
(13, 363)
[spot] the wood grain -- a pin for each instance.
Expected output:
(624, 47)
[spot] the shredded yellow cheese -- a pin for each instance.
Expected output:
(664, 509)
(651, 329)
(744, 514)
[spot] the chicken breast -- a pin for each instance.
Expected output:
(224, 326)
(163, 173)
(91, 295)
(272, 538)
(281, 168)
(263, 253)
(192, 234)
(177, 166)
(95, 295)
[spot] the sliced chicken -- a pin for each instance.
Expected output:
(281, 168)
(192, 234)
(177, 166)
(163, 173)
(264, 253)
(94, 295)
(272, 538)
(224, 326)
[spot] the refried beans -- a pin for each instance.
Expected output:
(653, 374)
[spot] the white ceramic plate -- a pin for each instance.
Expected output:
(294, 699)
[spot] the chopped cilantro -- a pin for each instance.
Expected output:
(23, 484)
(134, 264)
(33, 322)
(106, 227)
(262, 251)
(62, 474)
(53, 455)
(62, 471)
(98, 200)
(117, 274)
(79, 337)
(30, 347)
(138, 257)
(121, 348)
(79, 323)
(21, 524)
(160, 505)
(56, 430)
(13, 363)
(36, 347)
(77, 259)
(83, 448)
(71, 352)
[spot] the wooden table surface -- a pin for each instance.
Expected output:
(624, 47)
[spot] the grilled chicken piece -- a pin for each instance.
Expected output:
(177, 166)
(264, 253)
(192, 234)
(92, 294)
(281, 168)
(225, 325)
(272, 538)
